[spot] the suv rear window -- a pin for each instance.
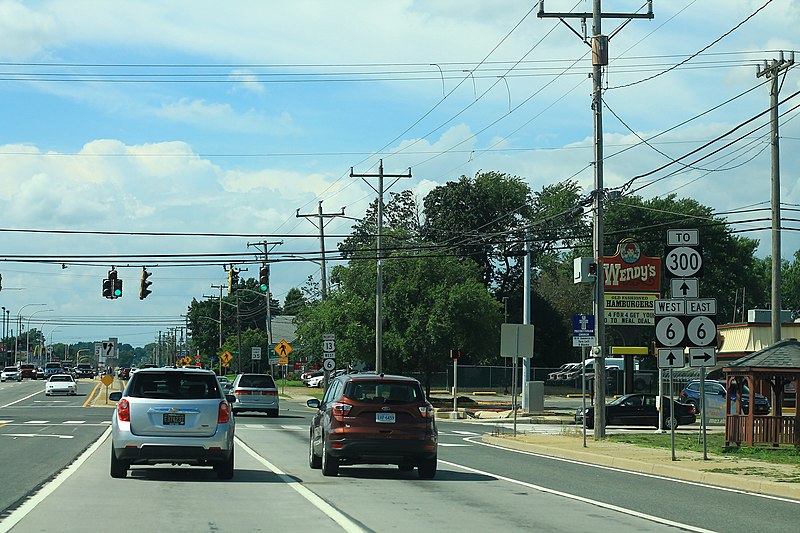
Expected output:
(175, 385)
(382, 392)
(257, 381)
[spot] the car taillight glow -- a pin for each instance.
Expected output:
(124, 411)
(426, 411)
(691, 409)
(341, 409)
(242, 392)
(223, 413)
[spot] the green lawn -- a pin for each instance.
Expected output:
(715, 445)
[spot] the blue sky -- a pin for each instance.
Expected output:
(182, 117)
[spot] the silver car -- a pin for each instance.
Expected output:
(174, 416)
(11, 373)
(255, 392)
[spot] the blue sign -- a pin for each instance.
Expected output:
(583, 326)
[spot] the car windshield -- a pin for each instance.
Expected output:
(61, 377)
(256, 381)
(176, 385)
(383, 392)
(10, 369)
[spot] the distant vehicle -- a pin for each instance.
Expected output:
(255, 392)
(11, 373)
(316, 381)
(52, 367)
(60, 384)
(172, 416)
(373, 419)
(39, 372)
(305, 376)
(27, 370)
(225, 382)
(85, 370)
(124, 373)
(715, 395)
(640, 410)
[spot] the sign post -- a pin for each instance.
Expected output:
(328, 357)
(583, 336)
(516, 340)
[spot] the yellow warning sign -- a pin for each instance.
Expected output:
(283, 348)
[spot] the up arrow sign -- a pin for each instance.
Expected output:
(684, 287)
(670, 358)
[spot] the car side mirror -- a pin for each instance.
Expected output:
(115, 396)
(313, 403)
(231, 398)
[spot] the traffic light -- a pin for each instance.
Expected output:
(117, 287)
(143, 290)
(233, 280)
(455, 354)
(108, 285)
(263, 276)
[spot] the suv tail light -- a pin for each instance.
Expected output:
(683, 394)
(691, 409)
(340, 410)
(223, 413)
(124, 411)
(242, 391)
(426, 411)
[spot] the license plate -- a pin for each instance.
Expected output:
(172, 419)
(385, 418)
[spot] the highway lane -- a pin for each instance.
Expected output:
(40, 435)
(478, 487)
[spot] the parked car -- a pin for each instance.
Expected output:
(60, 384)
(640, 410)
(10, 373)
(715, 392)
(305, 376)
(39, 372)
(172, 416)
(27, 370)
(316, 381)
(255, 392)
(373, 419)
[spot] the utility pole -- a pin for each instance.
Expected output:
(266, 245)
(599, 45)
(379, 277)
(772, 71)
(321, 226)
(219, 312)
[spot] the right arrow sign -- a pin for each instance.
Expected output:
(699, 357)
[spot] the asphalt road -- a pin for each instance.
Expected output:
(478, 487)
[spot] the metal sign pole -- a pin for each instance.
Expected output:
(672, 416)
(583, 391)
(703, 410)
(514, 392)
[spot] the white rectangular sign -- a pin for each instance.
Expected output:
(705, 356)
(674, 307)
(671, 358)
(684, 287)
(583, 341)
(516, 340)
(683, 237)
(329, 355)
(701, 306)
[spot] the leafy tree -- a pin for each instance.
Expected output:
(294, 301)
(790, 285)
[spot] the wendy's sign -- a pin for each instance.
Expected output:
(628, 270)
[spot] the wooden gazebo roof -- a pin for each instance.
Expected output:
(783, 356)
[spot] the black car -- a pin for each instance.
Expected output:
(639, 410)
(373, 419)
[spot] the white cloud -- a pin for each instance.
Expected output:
(246, 79)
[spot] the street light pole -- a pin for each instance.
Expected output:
(28, 334)
(19, 328)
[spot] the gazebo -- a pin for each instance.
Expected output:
(767, 371)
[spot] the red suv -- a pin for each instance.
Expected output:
(27, 370)
(373, 419)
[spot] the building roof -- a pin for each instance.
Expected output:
(283, 328)
(783, 354)
(743, 338)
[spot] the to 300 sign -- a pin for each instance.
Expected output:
(684, 261)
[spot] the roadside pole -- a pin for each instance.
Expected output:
(672, 416)
(455, 387)
(703, 410)
(583, 392)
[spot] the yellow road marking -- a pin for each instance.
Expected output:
(91, 394)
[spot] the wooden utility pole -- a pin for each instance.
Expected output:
(379, 278)
(599, 45)
(772, 71)
(321, 226)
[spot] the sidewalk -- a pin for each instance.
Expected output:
(730, 472)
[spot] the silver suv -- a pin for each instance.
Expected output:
(175, 416)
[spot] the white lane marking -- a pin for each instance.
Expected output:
(448, 445)
(5, 421)
(642, 474)
(21, 399)
(20, 512)
(37, 422)
(469, 433)
(37, 435)
(575, 497)
(74, 422)
(295, 428)
(330, 511)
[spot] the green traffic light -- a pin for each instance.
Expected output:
(117, 292)
(263, 288)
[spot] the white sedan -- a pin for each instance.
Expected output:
(61, 384)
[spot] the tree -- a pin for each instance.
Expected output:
(294, 301)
